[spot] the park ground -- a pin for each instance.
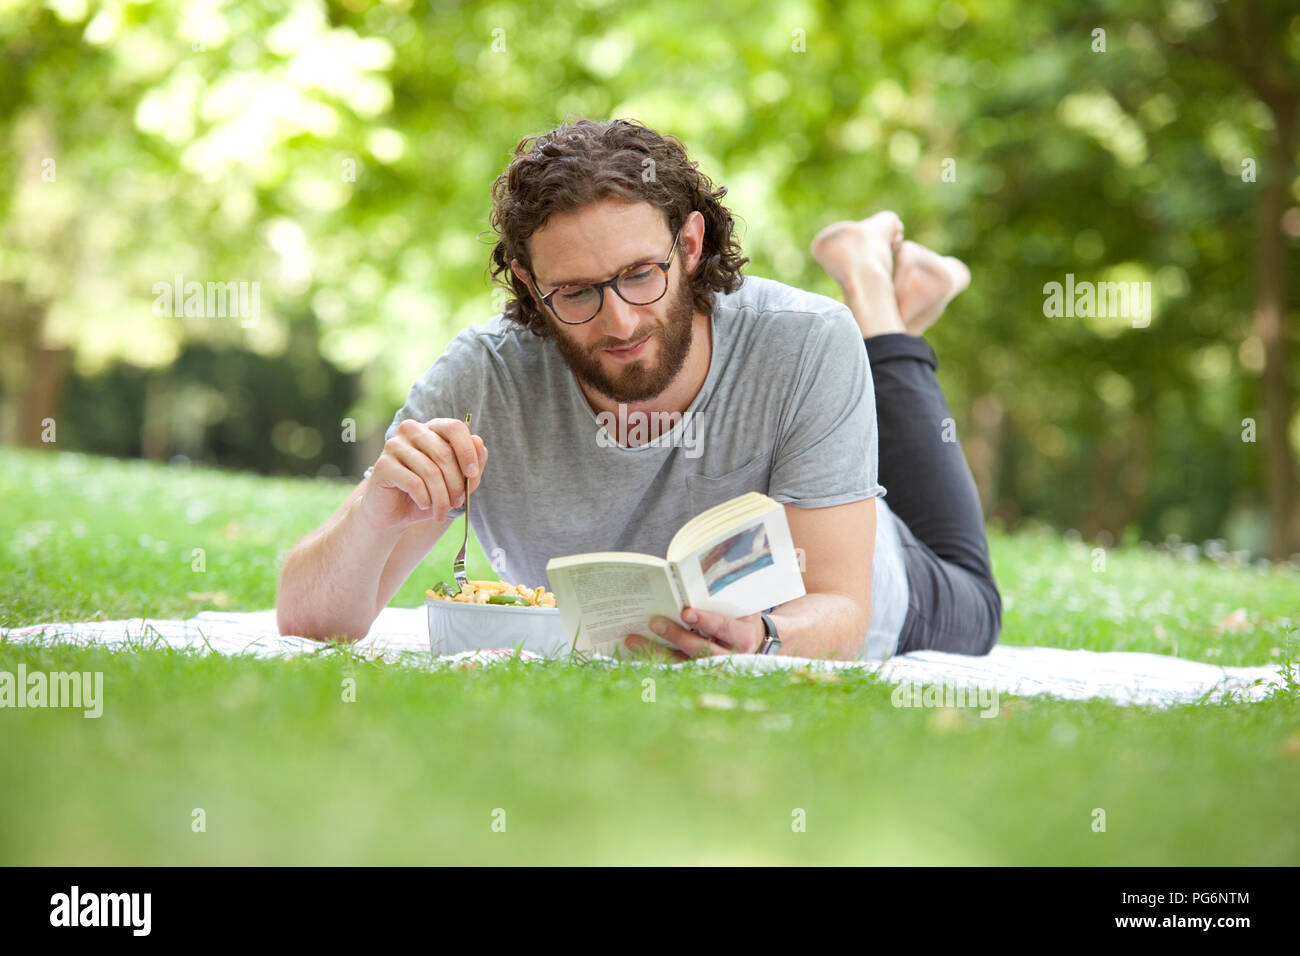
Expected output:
(205, 759)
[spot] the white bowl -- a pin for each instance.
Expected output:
(456, 626)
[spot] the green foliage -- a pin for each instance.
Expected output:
(341, 153)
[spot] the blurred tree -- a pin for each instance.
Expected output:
(1253, 42)
(340, 154)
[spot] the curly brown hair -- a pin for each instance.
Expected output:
(584, 161)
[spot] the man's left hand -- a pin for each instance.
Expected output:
(711, 634)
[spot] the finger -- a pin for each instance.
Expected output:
(436, 449)
(640, 647)
(711, 624)
(688, 642)
(391, 473)
(456, 434)
(439, 451)
(417, 460)
(427, 455)
(482, 461)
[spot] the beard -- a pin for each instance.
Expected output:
(637, 381)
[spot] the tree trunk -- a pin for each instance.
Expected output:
(32, 375)
(1135, 473)
(1267, 322)
(40, 405)
(156, 428)
(983, 448)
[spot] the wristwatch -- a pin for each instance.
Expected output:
(772, 640)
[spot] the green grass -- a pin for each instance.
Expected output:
(585, 769)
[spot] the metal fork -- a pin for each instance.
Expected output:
(458, 567)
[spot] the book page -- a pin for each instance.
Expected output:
(611, 600)
(706, 525)
(744, 570)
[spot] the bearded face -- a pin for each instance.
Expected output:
(655, 364)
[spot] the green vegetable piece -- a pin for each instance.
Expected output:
(508, 599)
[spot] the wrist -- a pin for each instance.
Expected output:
(364, 527)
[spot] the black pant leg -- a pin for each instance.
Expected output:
(955, 603)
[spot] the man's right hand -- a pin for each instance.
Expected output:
(421, 474)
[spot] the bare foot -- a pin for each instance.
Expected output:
(859, 255)
(925, 282)
(845, 248)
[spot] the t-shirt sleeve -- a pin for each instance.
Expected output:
(829, 451)
(450, 387)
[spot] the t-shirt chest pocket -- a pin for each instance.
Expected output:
(709, 490)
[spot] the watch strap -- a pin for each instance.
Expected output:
(772, 640)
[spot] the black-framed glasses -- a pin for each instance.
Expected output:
(641, 284)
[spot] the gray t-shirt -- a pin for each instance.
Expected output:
(788, 409)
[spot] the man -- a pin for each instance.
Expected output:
(629, 304)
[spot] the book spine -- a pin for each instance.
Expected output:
(679, 587)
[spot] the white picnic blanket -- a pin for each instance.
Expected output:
(401, 634)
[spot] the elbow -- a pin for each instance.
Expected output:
(292, 625)
(863, 631)
(859, 628)
(864, 601)
(317, 631)
(289, 619)
(287, 625)
(323, 635)
(292, 622)
(303, 608)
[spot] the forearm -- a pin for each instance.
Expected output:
(330, 583)
(823, 625)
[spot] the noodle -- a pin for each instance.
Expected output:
(478, 592)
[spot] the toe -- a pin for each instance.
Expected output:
(886, 225)
(910, 252)
(834, 234)
(958, 271)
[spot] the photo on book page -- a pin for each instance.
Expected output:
(740, 570)
(736, 557)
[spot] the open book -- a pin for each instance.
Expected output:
(736, 558)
